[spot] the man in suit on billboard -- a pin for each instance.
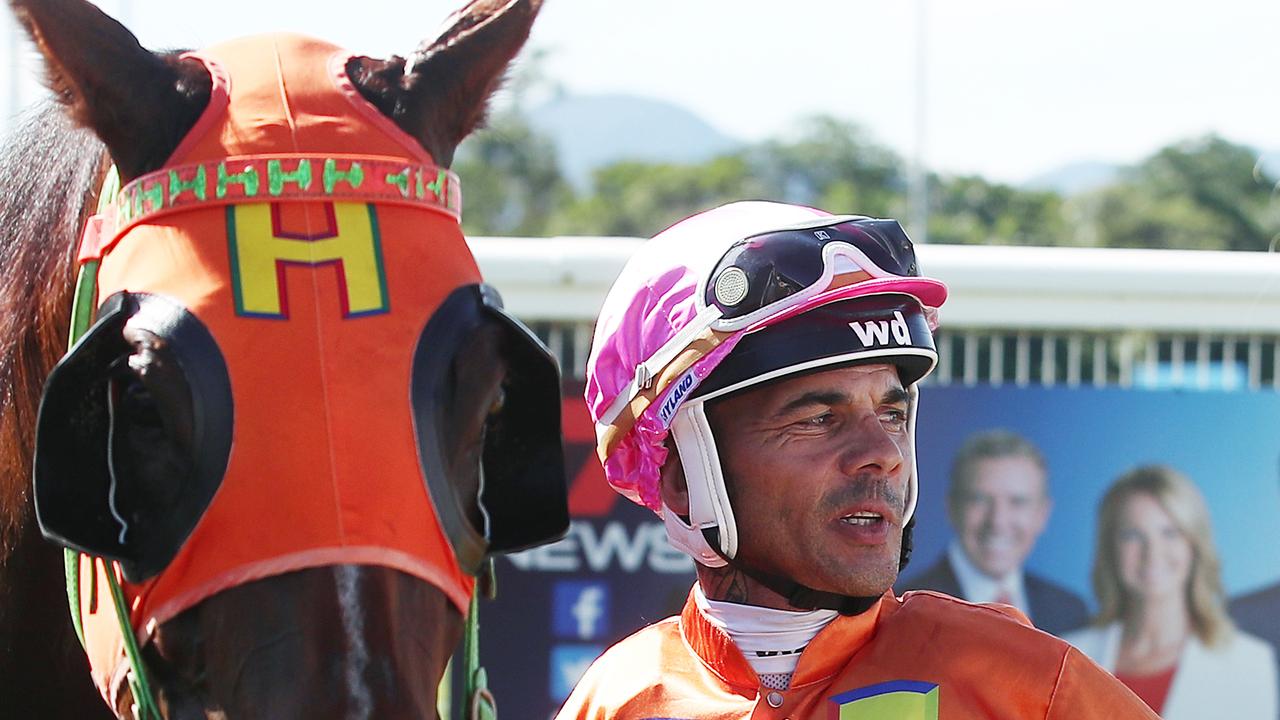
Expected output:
(999, 504)
(1258, 613)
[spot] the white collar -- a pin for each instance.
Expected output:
(977, 586)
(770, 639)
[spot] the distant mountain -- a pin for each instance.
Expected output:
(1075, 177)
(1081, 177)
(594, 130)
(591, 131)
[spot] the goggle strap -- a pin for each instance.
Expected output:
(610, 435)
(832, 250)
(657, 363)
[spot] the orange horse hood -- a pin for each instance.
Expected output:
(315, 242)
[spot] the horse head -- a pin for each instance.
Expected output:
(293, 423)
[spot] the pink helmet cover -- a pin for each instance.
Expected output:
(654, 297)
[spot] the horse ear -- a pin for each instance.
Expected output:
(138, 103)
(445, 93)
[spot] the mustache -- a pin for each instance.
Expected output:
(866, 487)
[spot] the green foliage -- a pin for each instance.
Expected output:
(1203, 194)
(829, 165)
(1200, 194)
(832, 165)
(639, 199)
(511, 180)
(972, 211)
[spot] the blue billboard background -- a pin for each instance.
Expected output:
(1228, 443)
(559, 606)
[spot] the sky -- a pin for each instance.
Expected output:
(1007, 89)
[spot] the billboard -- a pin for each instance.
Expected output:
(1227, 443)
(559, 606)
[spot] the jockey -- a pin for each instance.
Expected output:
(753, 379)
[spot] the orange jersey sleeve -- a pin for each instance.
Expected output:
(924, 656)
(1085, 691)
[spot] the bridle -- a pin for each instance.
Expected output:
(121, 208)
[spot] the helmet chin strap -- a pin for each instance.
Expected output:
(807, 598)
(709, 533)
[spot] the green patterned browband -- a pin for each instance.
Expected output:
(274, 178)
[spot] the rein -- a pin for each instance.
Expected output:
(82, 310)
(480, 702)
(257, 178)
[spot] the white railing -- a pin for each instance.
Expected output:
(1021, 315)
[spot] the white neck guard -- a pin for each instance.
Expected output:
(770, 639)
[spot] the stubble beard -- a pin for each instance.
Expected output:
(818, 567)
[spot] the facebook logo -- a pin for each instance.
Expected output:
(580, 609)
(568, 664)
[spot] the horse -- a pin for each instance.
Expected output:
(292, 491)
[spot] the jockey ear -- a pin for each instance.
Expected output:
(140, 104)
(133, 435)
(444, 94)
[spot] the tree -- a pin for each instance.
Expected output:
(639, 199)
(834, 165)
(511, 180)
(1206, 193)
(972, 211)
(831, 165)
(512, 183)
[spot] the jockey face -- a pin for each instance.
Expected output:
(817, 468)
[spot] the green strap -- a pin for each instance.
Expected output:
(82, 305)
(81, 319)
(480, 702)
(139, 683)
(82, 312)
(71, 567)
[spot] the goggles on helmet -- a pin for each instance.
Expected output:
(768, 277)
(769, 272)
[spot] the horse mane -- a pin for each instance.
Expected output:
(50, 176)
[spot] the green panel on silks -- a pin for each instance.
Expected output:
(895, 700)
